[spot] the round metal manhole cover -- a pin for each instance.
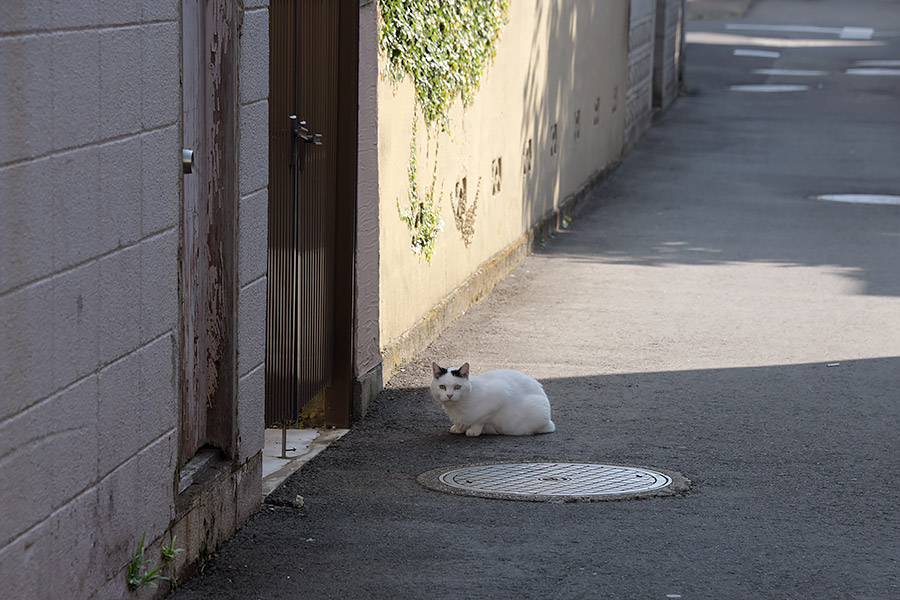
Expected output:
(554, 481)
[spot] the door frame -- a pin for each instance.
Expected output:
(339, 411)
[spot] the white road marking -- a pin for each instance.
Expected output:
(790, 72)
(861, 198)
(845, 33)
(757, 53)
(734, 39)
(857, 33)
(769, 87)
(882, 72)
(878, 63)
(784, 28)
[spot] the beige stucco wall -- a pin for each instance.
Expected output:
(555, 59)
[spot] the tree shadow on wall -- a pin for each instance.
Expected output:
(568, 109)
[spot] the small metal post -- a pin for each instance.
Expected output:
(284, 448)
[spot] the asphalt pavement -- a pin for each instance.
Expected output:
(705, 314)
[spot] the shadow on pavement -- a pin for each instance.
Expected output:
(792, 496)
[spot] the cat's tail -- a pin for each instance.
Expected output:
(550, 427)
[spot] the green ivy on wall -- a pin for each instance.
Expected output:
(443, 46)
(423, 215)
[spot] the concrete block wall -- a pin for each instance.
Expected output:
(667, 54)
(89, 179)
(90, 201)
(639, 95)
(253, 218)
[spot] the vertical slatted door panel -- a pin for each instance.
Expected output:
(281, 315)
(317, 64)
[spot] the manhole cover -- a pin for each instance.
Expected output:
(553, 481)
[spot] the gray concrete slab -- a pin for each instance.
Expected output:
(705, 314)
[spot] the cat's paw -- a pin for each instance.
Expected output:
(473, 431)
(456, 429)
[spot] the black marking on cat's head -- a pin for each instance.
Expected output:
(463, 371)
(438, 370)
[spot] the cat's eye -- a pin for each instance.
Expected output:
(443, 387)
(456, 387)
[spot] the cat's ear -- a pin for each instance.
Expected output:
(464, 371)
(437, 370)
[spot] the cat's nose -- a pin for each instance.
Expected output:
(449, 396)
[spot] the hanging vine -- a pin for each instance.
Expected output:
(444, 47)
(423, 214)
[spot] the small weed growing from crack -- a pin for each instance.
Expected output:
(138, 575)
(170, 552)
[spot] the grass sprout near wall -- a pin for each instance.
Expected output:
(137, 573)
(444, 47)
(170, 552)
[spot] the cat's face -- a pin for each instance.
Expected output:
(450, 385)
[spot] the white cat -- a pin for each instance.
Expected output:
(503, 402)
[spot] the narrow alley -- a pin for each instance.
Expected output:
(713, 311)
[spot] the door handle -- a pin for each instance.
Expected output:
(300, 137)
(187, 161)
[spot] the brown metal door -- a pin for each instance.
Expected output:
(304, 156)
